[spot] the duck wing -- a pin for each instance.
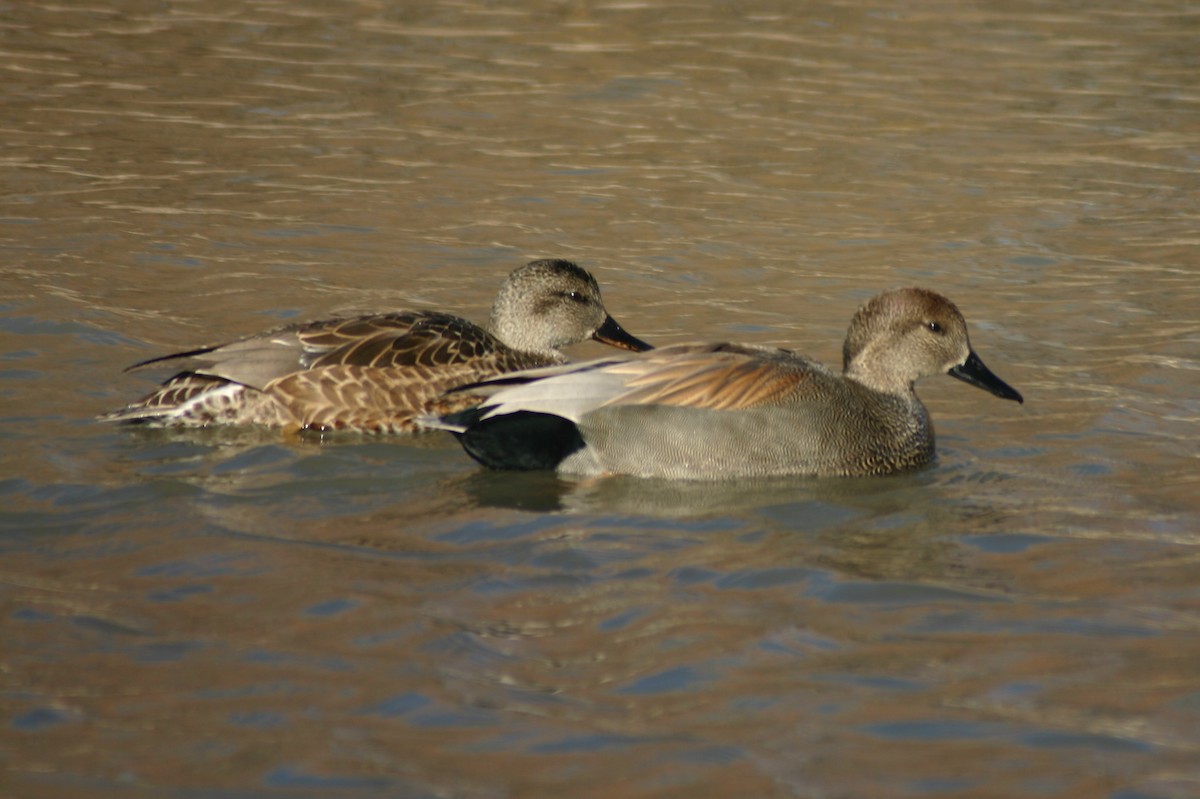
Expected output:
(411, 338)
(402, 338)
(379, 373)
(718, 376)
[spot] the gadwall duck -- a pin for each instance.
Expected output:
(376, 373)
(704, 411)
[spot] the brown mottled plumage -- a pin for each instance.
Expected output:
(376, 373)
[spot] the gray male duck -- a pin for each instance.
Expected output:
(376, 373)
(705, 411)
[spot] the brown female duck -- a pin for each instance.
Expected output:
(375, 373)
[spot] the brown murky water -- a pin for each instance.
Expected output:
(241, 615)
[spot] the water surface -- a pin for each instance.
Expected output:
(242, 614)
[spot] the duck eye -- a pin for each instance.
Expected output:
(934, 327)
(575, 296)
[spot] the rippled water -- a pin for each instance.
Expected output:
(241, 614)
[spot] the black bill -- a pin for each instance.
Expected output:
(974, 372)
(615, 336)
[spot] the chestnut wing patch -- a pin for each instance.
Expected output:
(713, 377)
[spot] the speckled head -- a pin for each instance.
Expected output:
(551, 303)
(905, 334)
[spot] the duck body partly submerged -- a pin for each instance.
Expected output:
(704, 411)
(375, 373)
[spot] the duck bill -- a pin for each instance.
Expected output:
(974, 372)
(614, 335)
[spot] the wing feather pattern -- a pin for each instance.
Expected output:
(371, 373)
(409, 338)
(702, 376)
(710, 376)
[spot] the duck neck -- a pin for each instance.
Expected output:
(879, 374)
(522, 339)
